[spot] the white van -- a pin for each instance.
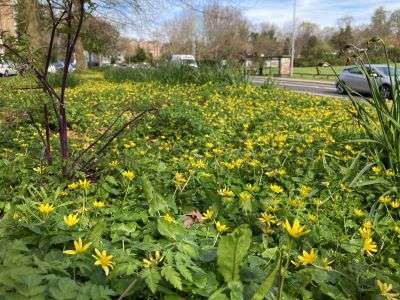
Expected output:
(187, 60)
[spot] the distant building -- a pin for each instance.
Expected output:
(153, 47)
(7, 22)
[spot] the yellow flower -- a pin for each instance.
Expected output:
(245, 196)
(252, 188)
(84, 184)
(395, 204)
(385, 290)
(267, 218)
(129, 175)
(385, 199)
(376, 169)
(208, 215)
(296, 230)
(168, 218)
(396, 229)
(113, 163)
(358, 213)
(73, 186)
(325, 263)
(367, 224)
(308, 258)
(389, 173)
(226, 193)
(276, 188)
(221, 228)
(180, 180)
(365, 232)
(45, 208)
(312, 218)
(79, 248)
(103, 260)
(98, 204)
(369, 246)
(305, 190)
(71, 220)
(153, 261)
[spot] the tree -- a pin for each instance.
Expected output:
(225, 33)
(395, 22)
(99, 36)
(380, 23)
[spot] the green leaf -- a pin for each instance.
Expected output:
(232, 249)
(169, 273)
(268, 282)
(152, 278)
(156, 202)
(171, 230)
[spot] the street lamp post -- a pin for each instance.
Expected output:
(293, 39)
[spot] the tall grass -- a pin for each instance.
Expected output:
(380, 117)
(55, 79)
(175, 74)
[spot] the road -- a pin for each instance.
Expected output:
(314, 87)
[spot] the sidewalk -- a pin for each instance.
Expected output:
(295, 80)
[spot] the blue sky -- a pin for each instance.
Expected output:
(323, 12)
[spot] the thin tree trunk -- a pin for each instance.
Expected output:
(47, 127)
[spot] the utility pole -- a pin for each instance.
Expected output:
(293, 39)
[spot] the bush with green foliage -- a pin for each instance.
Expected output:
(175, 73)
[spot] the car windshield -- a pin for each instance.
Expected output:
(188, 62)
(387, 70)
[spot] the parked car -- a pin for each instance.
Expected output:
(7, 69)
(59, 66)
(187, 60)
(355, 79)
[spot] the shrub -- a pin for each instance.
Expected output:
(173, 74)
(55, 79)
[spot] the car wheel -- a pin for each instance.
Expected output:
(340, 89)
(386, 91)
(6, 73)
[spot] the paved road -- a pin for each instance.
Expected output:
(320, 88)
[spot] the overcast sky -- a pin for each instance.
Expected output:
(322, 12)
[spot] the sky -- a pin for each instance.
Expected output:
(322, 12)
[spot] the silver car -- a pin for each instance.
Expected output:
(355, 79)
(6, 69)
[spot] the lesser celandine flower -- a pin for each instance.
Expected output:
(73, 186)
(153, 261)
(71, 220)
(221, 228)
(129, 175)
(179, 179)
(45, 208)
(79, 248)
(168, 218)
(296, 230)
(308, 258)
(267, 218)
(385, 199)
(369, 246)
(245, 196)
(226, 193)
(84, 184)
(358, 213)
(386, 290)
(208, 215)
(113, 163)
(103, 260)
(276, 188)
(98, 204)
(305, 190)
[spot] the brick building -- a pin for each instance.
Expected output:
(7, 22)
(153, 47)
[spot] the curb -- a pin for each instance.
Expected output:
(295, 80)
